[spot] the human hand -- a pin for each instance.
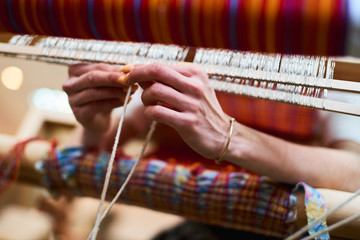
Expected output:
(181, 97)
(94, 91)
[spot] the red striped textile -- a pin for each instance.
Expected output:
(291, 122)
(281, 26)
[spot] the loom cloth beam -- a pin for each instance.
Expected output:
(35, 151)
(300, 27)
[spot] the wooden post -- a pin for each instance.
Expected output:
(34, 151)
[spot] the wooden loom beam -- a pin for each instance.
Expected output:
(34, 151)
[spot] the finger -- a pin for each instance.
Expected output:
(126, 68)
(77, 70)
(188, 69)
(89, 110)
(96, 94)
(93, 79)
(164, 94)
(166, 115)
(157, 72)
(185, 69)
(145, 85)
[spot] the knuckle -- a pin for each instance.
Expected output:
(101, 66)
(73, 69)
(156, 69)
(66, 86)
(157, 88)
(191, 122)
(91, 77)
(194, 120)
(196, 87)
(197, 70)
(196, 106)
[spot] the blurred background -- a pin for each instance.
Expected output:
(32, 103)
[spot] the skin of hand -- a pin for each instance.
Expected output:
(182, 98)
(94, 91)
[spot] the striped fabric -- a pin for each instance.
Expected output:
(282, 26)
(229, 197)
(287, 121)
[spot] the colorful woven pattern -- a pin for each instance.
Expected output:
(234, 199)
(283, 26)
(315, 206)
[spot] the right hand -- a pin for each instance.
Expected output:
(94, 91)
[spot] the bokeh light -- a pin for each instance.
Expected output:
(51, 100)
(12, 77)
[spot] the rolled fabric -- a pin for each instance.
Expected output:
(229, 197)
(324, 27)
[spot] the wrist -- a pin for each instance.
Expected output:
(222, 156)
(91, 138)
(240, 144)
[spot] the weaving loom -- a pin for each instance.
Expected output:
(213, 34)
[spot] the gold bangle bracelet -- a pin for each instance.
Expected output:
(221, 158)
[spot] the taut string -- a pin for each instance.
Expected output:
(102, 214)
(109, 168)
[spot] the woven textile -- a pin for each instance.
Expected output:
(292, 122)
(282, 26)
(232, 198)
(315, 206)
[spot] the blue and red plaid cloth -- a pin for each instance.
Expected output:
(229, 197)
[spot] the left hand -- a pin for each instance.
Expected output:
(181, 97)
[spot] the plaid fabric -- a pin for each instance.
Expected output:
(229, 197)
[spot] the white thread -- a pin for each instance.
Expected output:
(323, 216)
(109, 169)
(334, 226)
(147, 141)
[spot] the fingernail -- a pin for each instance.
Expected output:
(134, 88)
(123, 79)
(126, 68)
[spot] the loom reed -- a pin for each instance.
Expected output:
(298, 80)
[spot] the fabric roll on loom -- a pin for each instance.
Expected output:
(300, 27)
(294, 27)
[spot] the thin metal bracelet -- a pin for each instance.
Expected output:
(221, 158)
